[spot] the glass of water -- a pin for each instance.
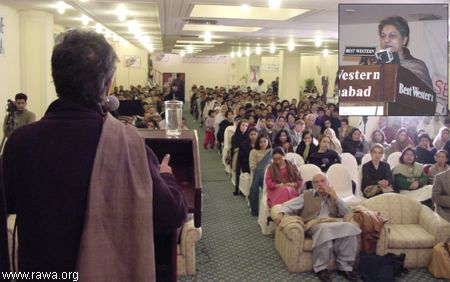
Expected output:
(174, 114)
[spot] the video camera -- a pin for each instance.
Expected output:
(11, 106)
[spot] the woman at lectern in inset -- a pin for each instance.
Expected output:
(394, 35)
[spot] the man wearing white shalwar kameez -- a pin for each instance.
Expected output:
(319, 209)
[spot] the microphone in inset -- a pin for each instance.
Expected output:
(111, 104)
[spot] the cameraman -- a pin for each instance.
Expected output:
(21, 115)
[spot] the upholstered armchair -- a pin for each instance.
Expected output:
(186, 261)
(291, 244)
(412, 228)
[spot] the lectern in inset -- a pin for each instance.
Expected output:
(185, 163)
(394, 88)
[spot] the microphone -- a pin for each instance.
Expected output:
(387, 57)
(111, 104)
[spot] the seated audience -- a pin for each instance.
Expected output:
(335, 143)
(306, 146)
(283, 140)
(269, 129)
(229, 116)
(401, 141)
(376, 174)
(355, 144)
(441, 165)
(321, 207)
(424, 151)
(377, 136)
(283, 179)
(441, 194)
(388, 131)
(324, 157)
(441, 138)
(311, 126)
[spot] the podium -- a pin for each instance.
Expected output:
(185, 163)
(394, 88)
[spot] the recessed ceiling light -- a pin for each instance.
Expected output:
(325, 52)
(132, 26)
(274, 4)
(85, 20)
(239, 53)
(318, 41)
(98, 28)
(198, 42)
(182, 53)
(207, 37)
(190, 49)
(232, 54)
(291, 45)
(247, 51)
(258, 50)
(61, 7)
(121, 12)
(272, 48)
(245, 8)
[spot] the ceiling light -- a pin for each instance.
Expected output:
(98, 28)
(190, 49)
(149, 47)
(232, 54)
(325, 52)
(274, 4)
(121, 12)
(247, 51)
(291, 45)
(245, 8)
(61, 7)
(85, 20)
(239, 53)
(207, 37)
(258, 50)
(318, 41)
(272, 48)
(198, 42)
(182, 53)
(132, 26)
(115, 37)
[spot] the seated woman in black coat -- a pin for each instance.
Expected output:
(324, 157)
(243, 156)
(355, 144)
(425, 151)
(376, 174)
(306, 146)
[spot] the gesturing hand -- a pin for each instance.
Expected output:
(164, 166)
(331, 192)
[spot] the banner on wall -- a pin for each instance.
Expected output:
(438, 70)
(2, 35)
(199, 59)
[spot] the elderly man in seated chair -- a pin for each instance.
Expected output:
(320, 209)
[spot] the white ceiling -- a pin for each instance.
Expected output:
(163, 21)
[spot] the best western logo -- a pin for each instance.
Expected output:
(414, 91)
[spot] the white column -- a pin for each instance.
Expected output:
(289, 81)
(36, 44)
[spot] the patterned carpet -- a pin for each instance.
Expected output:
(232, 247)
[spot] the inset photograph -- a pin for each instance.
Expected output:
(393, 59)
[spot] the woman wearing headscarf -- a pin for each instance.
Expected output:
(243, 155)
(335, 143)
(441, 138)
(282, 179)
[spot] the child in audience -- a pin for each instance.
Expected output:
(209, 130)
